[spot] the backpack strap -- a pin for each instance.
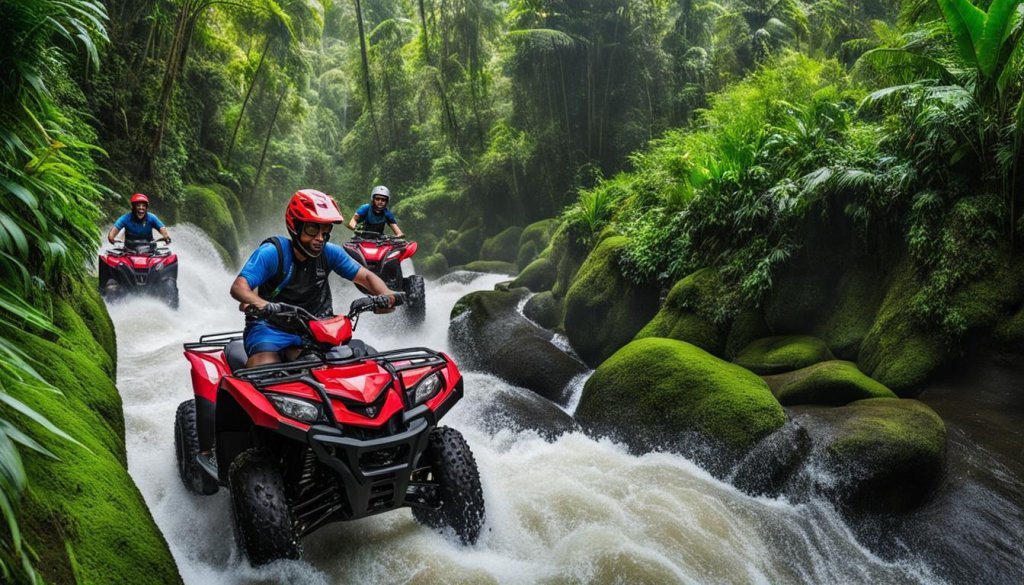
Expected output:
(279, 280)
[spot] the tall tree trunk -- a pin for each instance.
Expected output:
(366, 72)
(266, 141)
(248, 93)
(426, 36)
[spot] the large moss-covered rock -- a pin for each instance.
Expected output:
(538, 276)
(495, 266)
(238, 215)
(204, 208)
(460, 247)
(84, 310)
(680, 316)
(534, 239)
(899, 351)
(603, 310)
(747, 326)
(431, 266)
(503, 247)
(487, 332)
(567, 254)
(668, 388)
(857, 299)
(544, 309)
(783, 353)
(83, 515)
(832, 383)
(881, 454)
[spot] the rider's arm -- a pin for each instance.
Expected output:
(352, 222)
(113, 234)
(374, 284)
(241, 292)
(167, 236)
(398, 232)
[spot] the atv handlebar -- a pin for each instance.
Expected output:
(286, 312)
(365, 235)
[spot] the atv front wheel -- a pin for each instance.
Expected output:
(453, 470)
(186, 445)
(171, 293)
(263, 521)
(416, 292)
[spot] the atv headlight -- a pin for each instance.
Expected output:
(296, 408)
(427, 388)
(392, 254)
(158, 265)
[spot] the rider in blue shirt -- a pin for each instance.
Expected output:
(138, 225)
(294, 271)
(375, 214)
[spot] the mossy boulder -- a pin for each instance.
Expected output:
(503, 247)
(534, 239)
(833, 383)
(205, 209)
(238, 215)
(680, 316)
(783, 353)
(538, 276)
(857, 299)
(83, 515)
(84, 310)
(747, 326)
(899, 350)
(668, 388)
(431, 266)
(488, 332)
(603, 310)
(567, 254)
(544, 310)
(881, 454)
(460, 247)
(495, 266)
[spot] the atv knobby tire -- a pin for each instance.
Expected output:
(454, 471)
(186, 445)
(170, 293)
(263, 521)
(416, 292)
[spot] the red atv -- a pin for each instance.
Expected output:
(383, 255)
(139, 267)
(340, 433)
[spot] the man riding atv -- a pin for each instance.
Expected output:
(375, 214)
(138, 224)
(294, 271)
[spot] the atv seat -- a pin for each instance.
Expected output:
(234, 352)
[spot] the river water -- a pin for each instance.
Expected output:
(565, 510)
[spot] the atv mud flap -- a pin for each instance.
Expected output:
(375, 471)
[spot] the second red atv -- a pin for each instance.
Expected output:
(139, 267)
(343, 432)
(383, 255)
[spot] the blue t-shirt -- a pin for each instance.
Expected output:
(138, 230)
(262, 264)
(367, 214)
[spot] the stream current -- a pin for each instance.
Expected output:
(566, 510)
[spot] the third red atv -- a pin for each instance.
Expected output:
(340, 433)
(383, 255)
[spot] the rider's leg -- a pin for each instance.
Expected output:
(263, 358)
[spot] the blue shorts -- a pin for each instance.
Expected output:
(259, 337)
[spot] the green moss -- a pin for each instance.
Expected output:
(534, 239)
(832, 383)
(603, 310)
(746, 327)
(899, 351)
(460, 247)
(567, 254)
(680, 319)
(1010, 331)
(893, 425)
(205, 209)
(432, 266)
(984, 302)
(87, 316)
(238, 214)
(544, 310)
(495, 266)
(539, 275)
(669, 386)
(82, 513)
(503, 247)
(857, 299)
(782, 353)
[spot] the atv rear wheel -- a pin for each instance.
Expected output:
(186, 445)
(416, 292)
(264, 528)
(453, 470)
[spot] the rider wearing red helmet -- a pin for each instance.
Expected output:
(138, 224)
(294, 270)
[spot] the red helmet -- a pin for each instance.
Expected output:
(310, 205)
(140, 198)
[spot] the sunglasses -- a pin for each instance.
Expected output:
(313, 230)
(380, 198)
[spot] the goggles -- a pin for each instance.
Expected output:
(314, 229)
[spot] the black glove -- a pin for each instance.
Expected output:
(272, 309)
(168, 239)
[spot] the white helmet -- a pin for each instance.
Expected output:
(380, 191)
